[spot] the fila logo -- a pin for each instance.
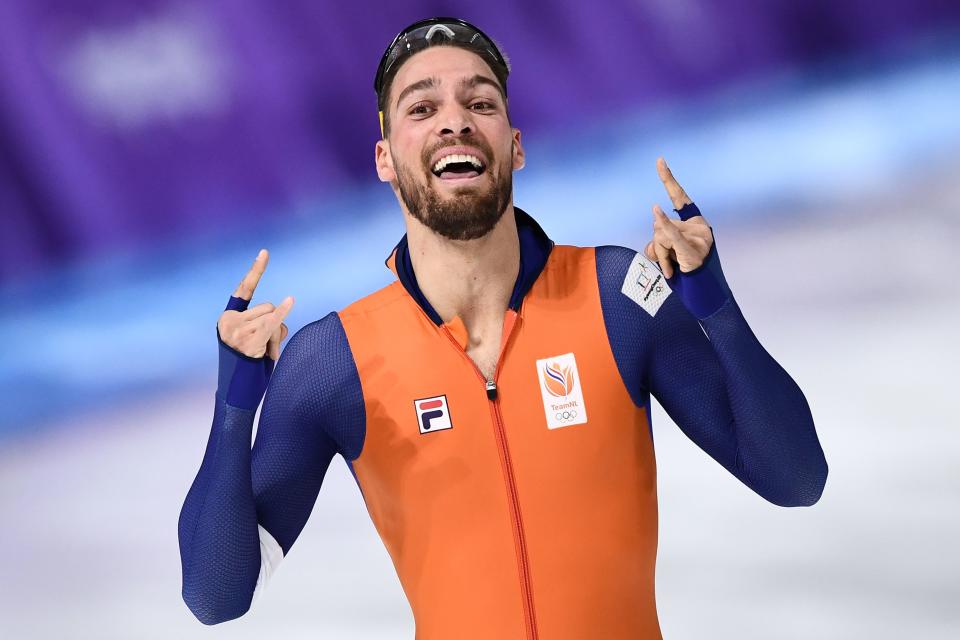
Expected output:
(433, 414)
(561, 391)
(645, 285)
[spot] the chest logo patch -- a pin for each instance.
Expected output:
(433, 414)
(562, 393)
(645, 285)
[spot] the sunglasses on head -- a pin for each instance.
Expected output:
(425, 33)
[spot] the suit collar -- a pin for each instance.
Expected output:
(535, 248)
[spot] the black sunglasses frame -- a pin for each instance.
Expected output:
(388, 61)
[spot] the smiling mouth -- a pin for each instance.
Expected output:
(458, 167)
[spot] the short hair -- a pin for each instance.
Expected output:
(499, 72)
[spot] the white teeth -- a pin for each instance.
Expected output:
(444, 161)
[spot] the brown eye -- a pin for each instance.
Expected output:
(483, 106)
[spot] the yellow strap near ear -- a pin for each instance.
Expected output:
(381, 123)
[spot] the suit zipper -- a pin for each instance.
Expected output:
(517, 522)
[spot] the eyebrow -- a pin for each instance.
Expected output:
(431, 83)
(421, 85)
(480, 79)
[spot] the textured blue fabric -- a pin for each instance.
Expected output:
(312, 410)
(687, 211)
(535, 248)
(705, 289)
(241, 380)
(725, 392)
(219, 542)
(237, 304)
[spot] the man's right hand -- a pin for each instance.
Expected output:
(260, 329)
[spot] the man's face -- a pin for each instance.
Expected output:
(451, 151)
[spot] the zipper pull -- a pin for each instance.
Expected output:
(491, 390)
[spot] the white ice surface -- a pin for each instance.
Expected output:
(859, 303)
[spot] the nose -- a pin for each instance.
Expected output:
(455, 120)
(464, 130)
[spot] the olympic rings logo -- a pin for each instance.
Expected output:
(566, 415)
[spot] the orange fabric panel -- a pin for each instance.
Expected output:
(587, 491)
(443, 503)
(436, 499)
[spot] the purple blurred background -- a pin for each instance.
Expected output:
(124, 125)
(148, 150)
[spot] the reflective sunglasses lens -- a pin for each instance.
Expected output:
(420, 36)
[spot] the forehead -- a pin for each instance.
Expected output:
(446, 63)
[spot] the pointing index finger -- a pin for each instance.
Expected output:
(678, 196)
(249, 283)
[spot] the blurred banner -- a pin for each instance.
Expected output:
(124, 125)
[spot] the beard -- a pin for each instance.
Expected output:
(469, 213)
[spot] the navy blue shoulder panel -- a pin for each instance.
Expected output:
(316, 382)
(627, 324)
(313, 409)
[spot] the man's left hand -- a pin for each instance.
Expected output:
(686, 242)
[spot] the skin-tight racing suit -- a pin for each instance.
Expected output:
(519, 507)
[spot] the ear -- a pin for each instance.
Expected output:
(384, 161)
(519, 155)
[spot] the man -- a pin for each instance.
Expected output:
(493, 403)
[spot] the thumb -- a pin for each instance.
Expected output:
(273, 345)
(649, 252)
(280, 313)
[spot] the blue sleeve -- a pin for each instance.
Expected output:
(698, 357)
(312, 410)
